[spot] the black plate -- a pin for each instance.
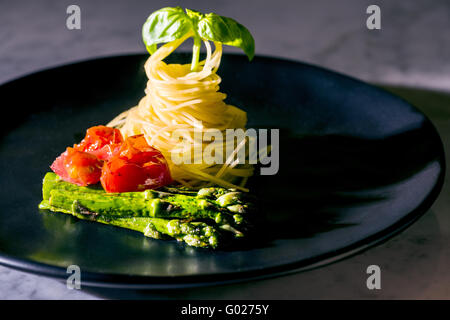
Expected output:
(357, 165)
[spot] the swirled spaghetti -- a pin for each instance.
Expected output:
(180, 99)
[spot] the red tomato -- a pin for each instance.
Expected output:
(78, 167)
(119, 175)
(101, 141)
(137, 166)
(106, 152)
(136, 149)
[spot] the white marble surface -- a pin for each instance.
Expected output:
(412, 49)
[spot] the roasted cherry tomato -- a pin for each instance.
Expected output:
(78, 167)
(101, 141)
(137, 166)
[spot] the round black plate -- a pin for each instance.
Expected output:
(357, 165)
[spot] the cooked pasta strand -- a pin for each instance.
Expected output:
(177, 98)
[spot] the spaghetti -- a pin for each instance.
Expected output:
(184, 100)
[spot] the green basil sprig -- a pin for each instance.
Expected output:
(169, 24)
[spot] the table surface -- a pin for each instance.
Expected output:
(409, 56)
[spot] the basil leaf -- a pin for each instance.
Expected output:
(169, 24)
(165, 25)
(227, 31)
(194, 15)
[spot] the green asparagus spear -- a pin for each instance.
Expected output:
(173, 212)
(227, 210)
(194, 233)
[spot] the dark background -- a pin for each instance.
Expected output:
(410, 54)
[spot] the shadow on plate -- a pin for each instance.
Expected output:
(324, 177)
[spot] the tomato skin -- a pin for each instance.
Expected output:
(158, 174)
(137, 166)
(101, 141)
(106, 152)
(119, 175)
(136, 149)
(78, 167)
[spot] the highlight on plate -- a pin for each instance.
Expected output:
(122, 174)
